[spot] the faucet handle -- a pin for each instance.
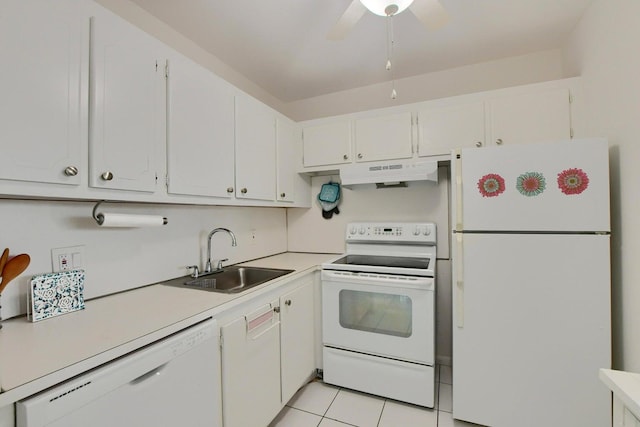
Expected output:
(195, 272)
(219, 267)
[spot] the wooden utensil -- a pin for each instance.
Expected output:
(3, 259)
(13, 268)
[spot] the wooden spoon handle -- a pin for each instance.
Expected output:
(3, 259)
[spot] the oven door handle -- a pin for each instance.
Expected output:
(426, 283)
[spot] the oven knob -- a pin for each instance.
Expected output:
(353, 230)
(427, 231)
(362, 230)
(416, 232)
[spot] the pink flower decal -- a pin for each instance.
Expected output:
(573, 181)
(491, 185)
(531, 184)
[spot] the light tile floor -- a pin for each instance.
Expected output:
(323, 405)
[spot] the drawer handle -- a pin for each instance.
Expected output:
(479, 144)
(288, 303)
(283, 195)
(107, 176)
(229, 189)
(499, 141)
(71, 171)
(345, 157)
(360, 155)
(243, 191)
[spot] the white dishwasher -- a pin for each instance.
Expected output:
(175, 381)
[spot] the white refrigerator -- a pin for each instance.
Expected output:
(531, 284)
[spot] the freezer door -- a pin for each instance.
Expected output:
(531, 329)
(561, 186)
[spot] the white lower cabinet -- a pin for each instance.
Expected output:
(297, 340)
(267, 355)
(251, 368)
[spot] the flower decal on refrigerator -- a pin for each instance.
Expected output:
(573, 181)
(491, 185)
(531, 184)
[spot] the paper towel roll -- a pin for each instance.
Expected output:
(125, 220)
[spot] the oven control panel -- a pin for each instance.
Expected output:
(418, 232)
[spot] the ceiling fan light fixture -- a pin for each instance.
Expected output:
(379, 7)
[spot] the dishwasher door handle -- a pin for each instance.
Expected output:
(152, 373)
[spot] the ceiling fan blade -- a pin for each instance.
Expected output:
(348, 20)
(431, 13)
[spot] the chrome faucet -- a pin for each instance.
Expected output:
(207, 267)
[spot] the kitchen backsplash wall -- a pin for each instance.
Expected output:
(118, 259)
(308, 231)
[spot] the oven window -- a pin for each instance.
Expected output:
(386, 314)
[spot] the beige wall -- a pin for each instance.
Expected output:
(117, 259)
(498, 74)
(604, 50)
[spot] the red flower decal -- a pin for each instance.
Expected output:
(491, 185)
(573, 181)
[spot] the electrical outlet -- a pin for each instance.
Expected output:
(69, 258)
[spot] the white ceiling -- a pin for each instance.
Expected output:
(281, 45)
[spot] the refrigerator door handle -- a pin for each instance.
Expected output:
(458, 184)
(459, 282)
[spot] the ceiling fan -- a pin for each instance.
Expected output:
(429, 12)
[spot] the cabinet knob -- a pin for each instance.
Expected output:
(499, 141)
(71, 171)
(283, 195)
(243, 191)
(229, 189)
(107, 176)
(276, 309)
(359, 155)
(345, 157)
(287, 302)
(479, 144)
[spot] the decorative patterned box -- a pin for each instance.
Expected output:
(54, 294)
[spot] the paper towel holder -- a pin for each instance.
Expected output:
(99, 218)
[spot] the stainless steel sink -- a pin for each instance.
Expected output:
(231, 279)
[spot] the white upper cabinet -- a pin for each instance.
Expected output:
(384, 138)
(288, 140)
(255, 150)
(200, 146)
(542, 115)
(42, 46)
(327, 144)
(440, 129)
(126, 105)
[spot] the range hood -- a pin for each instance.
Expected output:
(389, 173)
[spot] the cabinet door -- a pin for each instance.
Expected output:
(251, 369)
(441, 129)
(43, 65)
(288, 141)
(384, 138)
(327, 144)
(200, 146)
(126, 80)
(255, 150)
(297, 338)
(534, 117)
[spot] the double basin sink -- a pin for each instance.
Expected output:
(230, 280)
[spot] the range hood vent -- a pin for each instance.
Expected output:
(389, 173)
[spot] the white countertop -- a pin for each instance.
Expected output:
(34, 356)
(626, 387)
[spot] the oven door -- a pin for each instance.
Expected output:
(384, 315)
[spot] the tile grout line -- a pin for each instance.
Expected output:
(380, 417)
